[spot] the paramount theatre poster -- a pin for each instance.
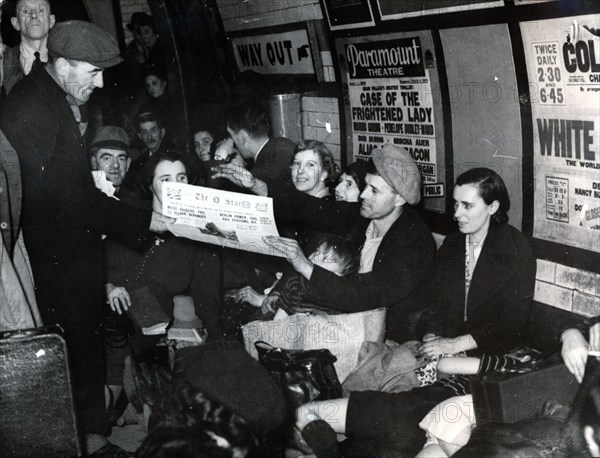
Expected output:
(563, 65)
(390, 100)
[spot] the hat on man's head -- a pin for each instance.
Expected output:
(142, 19)
(224, 372)
(398, 169)
(111, 137)
(83, 41)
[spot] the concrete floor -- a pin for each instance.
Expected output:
(129, 436)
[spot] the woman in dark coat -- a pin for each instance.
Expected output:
(480, 298)
(168, 265)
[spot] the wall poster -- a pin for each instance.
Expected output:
(563, 65)
(394, 9)
(392, 97)
(348, 14)
(275, 53)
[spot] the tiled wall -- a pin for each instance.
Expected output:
(243, 15)
(327, 62)
(567, 288)
(321, 121)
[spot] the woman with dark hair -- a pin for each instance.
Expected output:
(479, 299)
(351, 183)
(205, 138)
(169, 265)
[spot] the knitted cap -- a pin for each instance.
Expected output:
(399, 170)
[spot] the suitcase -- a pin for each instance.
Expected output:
(37, 412)
(508, 398)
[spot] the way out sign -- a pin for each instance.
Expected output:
(276, 53)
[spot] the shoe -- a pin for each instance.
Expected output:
(116, 407)
(111, 451)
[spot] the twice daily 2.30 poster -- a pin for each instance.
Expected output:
(563, 65)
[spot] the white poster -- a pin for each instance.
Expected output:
(391, 101)
(228, 219)
(563, 65)
(275, 53)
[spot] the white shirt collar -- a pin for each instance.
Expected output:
(260, 149)
(27, 56)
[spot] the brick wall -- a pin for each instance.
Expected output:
(321, 121)
(567, 288)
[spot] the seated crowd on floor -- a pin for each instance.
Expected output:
(351, 240)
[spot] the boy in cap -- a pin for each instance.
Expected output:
(64, 215)
(397, 249)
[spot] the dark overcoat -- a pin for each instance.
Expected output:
(64, 214)
(500, 294)
(402, 261)
(273, 162)
(63, 218)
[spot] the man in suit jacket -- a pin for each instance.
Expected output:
(269, 158)
(397, 249)
(33, 20)
(64, 214)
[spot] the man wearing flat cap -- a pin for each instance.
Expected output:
(397, 249)
(64, 215)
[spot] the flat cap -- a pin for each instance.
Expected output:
(83, 41)
(398, 169)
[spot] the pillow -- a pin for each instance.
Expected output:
(341, 334)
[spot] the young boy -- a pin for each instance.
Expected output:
(285, 297)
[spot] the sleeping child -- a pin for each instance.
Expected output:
(286, 295)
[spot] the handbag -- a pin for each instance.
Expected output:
(341, 334)
(304, 375)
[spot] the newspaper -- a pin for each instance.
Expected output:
(103, 184)
(228, 219)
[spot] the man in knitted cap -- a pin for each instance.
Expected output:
(397, 249)
(64, 215)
